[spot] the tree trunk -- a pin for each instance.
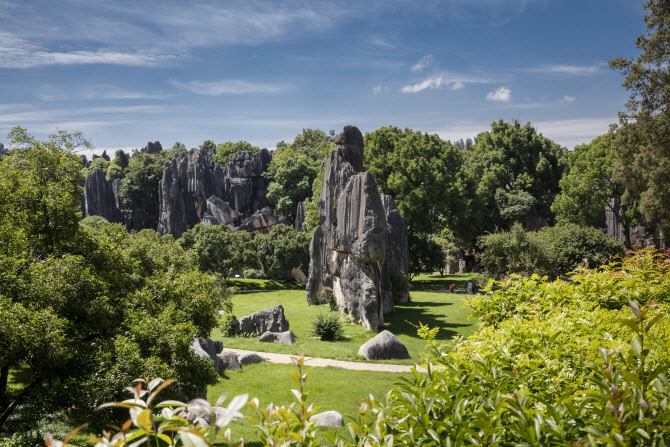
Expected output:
(12, 406)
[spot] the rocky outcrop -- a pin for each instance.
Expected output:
(196, 189)
(397, 253)
(4, 151)
(271, 319)
(349, 250)
(635, 236)
(301, 215)
(280, 338)
(384, 345)
(261, 221)
(152, 148)
(99, 197)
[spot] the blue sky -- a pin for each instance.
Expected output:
(130, 72)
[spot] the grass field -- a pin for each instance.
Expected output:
(270, 384)
(443, 310)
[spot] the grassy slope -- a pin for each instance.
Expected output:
(434, 309)
(270, 384)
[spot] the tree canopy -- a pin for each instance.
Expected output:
(642, 142)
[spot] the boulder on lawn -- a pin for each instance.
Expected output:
(249, 358)
(228, 362)
(384, 345)
(271, 319)
(281, 338)
(328, 419)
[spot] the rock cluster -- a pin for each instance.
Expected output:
(196, 189)
(3, 151)
(362, 237)
(100, 198)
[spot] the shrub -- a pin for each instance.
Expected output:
(328, 327)
(399, 286)
(328, 297)
(228, 328)
(254, 274)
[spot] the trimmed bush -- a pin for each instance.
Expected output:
(328, 327)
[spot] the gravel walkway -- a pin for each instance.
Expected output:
(316, 361)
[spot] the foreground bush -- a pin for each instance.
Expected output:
(328, 327)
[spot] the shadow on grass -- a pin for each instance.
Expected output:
(405, 320)
(433, 283)
(261, 284)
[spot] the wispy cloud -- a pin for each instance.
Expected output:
(19, 53)
(502, 94)
(432, 84)
(424, 62)
(572, 132)
(227, 87)
(377, 89)
(382, 43)
(567, 99)
(574, 70)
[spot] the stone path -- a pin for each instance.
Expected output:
(316, 361)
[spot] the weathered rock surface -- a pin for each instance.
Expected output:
(261, 221)
(280, 338)
(301, 215)
(299, 275)
(249, 358)
(271, 319)
(227, 362)
(397, 252)
(353, 249)
(4, 151)
(152, 148)
(99, 197)
(637, 235)
(195, 189)
(384, 345)
(328, 419)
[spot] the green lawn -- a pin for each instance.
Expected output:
(270, 384)
(444, 310)
(263, 284)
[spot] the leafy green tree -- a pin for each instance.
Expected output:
(589, 188)
(424, 174)
(281, 250)
(225, 151)
(642, 142)
(121, 158)
(293, 180)
(425, 255)
(518, 172)
(208, 143)
(217, 249)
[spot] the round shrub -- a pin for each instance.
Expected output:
(228, 328)
(328, 327)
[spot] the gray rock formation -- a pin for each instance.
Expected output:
(349, 250)
(384, 345)
(99, 197)
(4, 151)
(397, 252)
(301, 215)
(637, 235)
(248, 358)
(195, 189)
(152, 148)
(280, 338)
(328, 419)
(206, 348)
(227, 361)
(261, 221)
(271, 319)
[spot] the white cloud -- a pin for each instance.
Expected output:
(424, 62)
(377, 89)
(19, 53)
(227, 87)
(502, 94)
(572, 132)
(433, 83)
(567, 99)
(574, 70)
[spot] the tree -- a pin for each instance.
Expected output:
(217, 249)
(643, 140)
(225, 151)
(139, 190)
(208, 143)
(281, 250)
(589, 188)
(518, 172)
(293, 180)
(424, 175)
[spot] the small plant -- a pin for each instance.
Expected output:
(228, 326)
(328, 327)
(328, 297)
(169, 426)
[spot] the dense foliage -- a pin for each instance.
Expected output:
(327, 326)
(88, 308)
(552, 251)
(641, 142)
(225, 151)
